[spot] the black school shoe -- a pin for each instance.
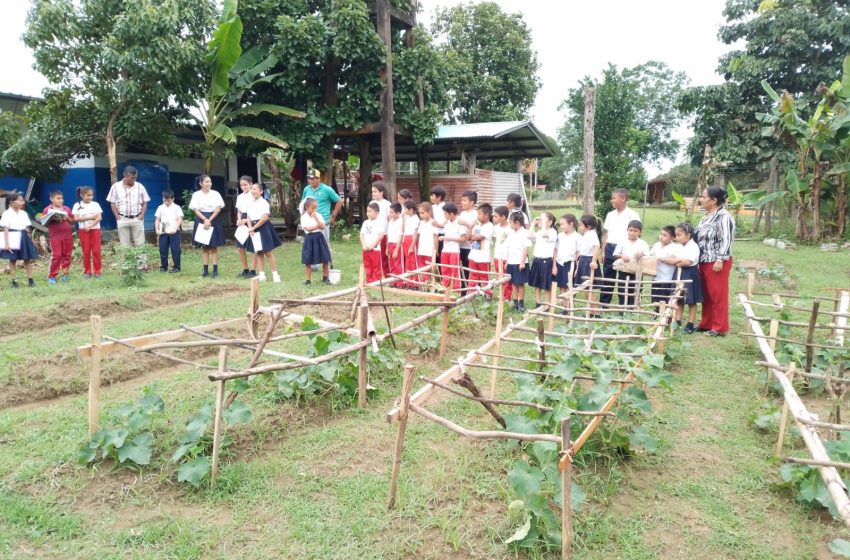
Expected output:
(15, 284)
(174, 270)
(689, 328)
(326, 280)
(714, 333)
(163, 269)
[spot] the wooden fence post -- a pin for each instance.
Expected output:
(541, 338)
(406, 384)
(810, 336)
(497, 345)
(566, 492)
(363, 362)
(253, 306)
(94, 374)
(219, 406)
(444, 328)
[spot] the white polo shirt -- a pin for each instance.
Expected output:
(616, 224)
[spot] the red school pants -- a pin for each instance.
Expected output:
(90, 243)
(502, 268)
(408, 258)
(396, 263)
(715, 296)
(423, 260)
(385, 262)
(60, 259)
(450, 270)
(372, 264)
(480, 275)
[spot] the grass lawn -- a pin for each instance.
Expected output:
(310, 479)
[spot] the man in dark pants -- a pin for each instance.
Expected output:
(615, 226)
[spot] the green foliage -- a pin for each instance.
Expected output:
(793, 45)
(196, 441)
(766, 418)
(424, 339)
(805, 480)
(491, 65)
(124, 67)
(124, 437)
(840, 547)
(634, 122)
(132, 262)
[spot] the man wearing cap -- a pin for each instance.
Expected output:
(325, 197)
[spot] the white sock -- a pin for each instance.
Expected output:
(276, 277)
(262, 277)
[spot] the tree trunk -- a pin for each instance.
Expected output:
(382, 8)
(330, 100)
(423, 165)
(772, 183)
(842, 204)
(589, 204)
(815, 201)
(111, 155)
(365, 186)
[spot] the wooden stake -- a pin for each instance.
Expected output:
(841, 321)
(774, 331)
(541, 337)
(406, 384)
(810, 336)
(553, 296)
(363, 369)
(783, 419)
(94, 375)
(253, 306)
(662, 308)
(444, 328)
(497, 340)
(566, 492)
(219, 410)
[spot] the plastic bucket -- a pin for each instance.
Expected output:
(334, 275)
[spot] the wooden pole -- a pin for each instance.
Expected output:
(772, 334)
(751, 282)
(810, 336)
(566, 492)
(363, 367)
(404, 403)
(553, 297)
(841, 321)
(382, 9)
(589, 201)
(497, 340)
(444, 328)
(219, 410)
(783, 419)
(253, 306)
(541, 338)
(94, 374)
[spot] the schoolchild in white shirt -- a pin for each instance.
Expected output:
(453, 235)
(467, 218)
(666, 251)
(408, 244)
(630, 250)
(395, 231)
(15, 241)
(479, 254)
(566, 253)
(167, 222)
(243, 201)
(87, 213)
(545, 238)
(588, 254)
(516, 247)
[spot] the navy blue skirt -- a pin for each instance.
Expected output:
(315, 249)
(217, 239)
(268, 237)
(518, 277)
(27, 252)
(565, 272)
(239, 245)
(583, 271)
(693, 290)
(540, 275)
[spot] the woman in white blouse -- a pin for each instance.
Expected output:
(207, 204)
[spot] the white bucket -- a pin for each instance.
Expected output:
(334, 275)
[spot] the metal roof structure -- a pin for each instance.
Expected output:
(488, 140)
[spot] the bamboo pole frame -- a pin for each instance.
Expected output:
(831, 479)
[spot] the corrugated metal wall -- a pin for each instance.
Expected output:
(492, 186)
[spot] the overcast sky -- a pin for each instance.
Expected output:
(573, 39)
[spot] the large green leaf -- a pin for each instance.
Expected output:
(224, 51)
(224, 133)
(138, 450)
(194, 471)
(839, 169)
(845, 77)
(525, 479)
(259, 108)
(257, 134)
(770, 91)
(237, 413)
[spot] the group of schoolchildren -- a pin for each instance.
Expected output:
(405, 236)
(206, 203)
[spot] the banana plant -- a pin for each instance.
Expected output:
(234, 74)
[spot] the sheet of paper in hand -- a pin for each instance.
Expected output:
(241, 234)
(257, 242)
(203, 235)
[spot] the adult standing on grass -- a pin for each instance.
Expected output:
(714, 236)
(129, 200)
(616, 227)
(329, 202)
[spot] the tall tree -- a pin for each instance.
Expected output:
(492, 64)
(635, 119)
(129, 64)
(793, 44)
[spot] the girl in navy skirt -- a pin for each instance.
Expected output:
(315, 249)
(516, 248)
(566, 253)
(588, 250)
(15, 222)
(242, 202)
(688, 263)
(207, 204)
(260, 226)
(545, 240)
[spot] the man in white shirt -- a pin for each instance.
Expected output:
(616, 232)
(129, 201)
